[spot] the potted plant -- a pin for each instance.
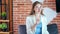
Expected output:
(4, 27)
(4, 15)
(0, 27)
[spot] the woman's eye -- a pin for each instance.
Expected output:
(37, 7)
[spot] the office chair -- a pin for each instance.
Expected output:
(52, 29)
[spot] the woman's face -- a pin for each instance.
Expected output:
(37, 8)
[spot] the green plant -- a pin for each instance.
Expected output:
(4, 25)
(0, 26)
(3, 14)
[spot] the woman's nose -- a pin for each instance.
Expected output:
(38, 9)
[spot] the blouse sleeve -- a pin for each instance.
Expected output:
(28, 26)
(46, 21)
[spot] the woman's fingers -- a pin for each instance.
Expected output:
(37, 20)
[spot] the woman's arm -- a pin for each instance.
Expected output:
(28, 26)
(45, 20)
(37, 22)
(33, 27)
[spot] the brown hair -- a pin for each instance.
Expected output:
(34, 4)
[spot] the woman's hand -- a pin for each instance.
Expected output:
(38, 18)
(37, 22)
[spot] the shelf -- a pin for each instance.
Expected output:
(4, 32)
(6, 6)
(4, 20)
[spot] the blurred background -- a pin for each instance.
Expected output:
(22, 8)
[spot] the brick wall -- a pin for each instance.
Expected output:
(22, 8)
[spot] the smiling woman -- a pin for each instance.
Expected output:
(36, 22)
(39, 18)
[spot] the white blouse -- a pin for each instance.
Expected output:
(31, 20)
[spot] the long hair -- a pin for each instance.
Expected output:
(34, 4)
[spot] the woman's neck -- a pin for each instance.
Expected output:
(37, 14)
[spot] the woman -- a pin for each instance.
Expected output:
(36, 22)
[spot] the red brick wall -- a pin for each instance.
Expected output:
(22, 8)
